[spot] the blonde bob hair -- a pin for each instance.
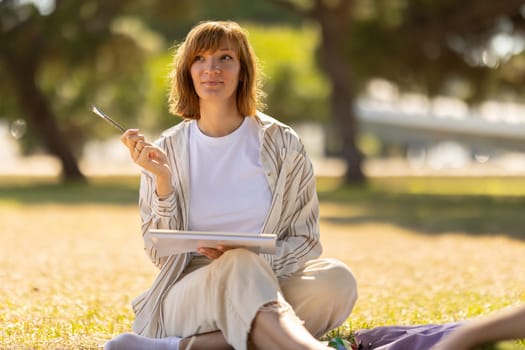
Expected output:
(183, 99)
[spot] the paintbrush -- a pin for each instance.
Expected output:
(106, 118)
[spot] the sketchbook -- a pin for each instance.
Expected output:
(168, 242)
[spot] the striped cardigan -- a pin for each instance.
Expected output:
(293, 215)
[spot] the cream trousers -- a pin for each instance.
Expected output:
(226, 294)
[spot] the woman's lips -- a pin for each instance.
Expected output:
(211, 83)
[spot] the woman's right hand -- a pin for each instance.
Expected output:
(150, 157)
(213, 253)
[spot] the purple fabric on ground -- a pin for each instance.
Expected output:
(421, 337)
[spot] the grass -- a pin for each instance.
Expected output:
(424, 250)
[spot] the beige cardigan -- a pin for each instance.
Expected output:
(293, 215)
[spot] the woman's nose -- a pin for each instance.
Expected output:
(213, 66)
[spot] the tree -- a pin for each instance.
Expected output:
(419, 44)
(431, 46)
(61, 59)
(335, 22)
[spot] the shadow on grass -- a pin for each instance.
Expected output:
(427, 213)
(379, 201)
(37, 191)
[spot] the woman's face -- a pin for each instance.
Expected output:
(215, 74)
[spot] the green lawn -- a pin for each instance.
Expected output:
(424, 250)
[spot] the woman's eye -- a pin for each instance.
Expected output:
(198, 58)
(227, 57)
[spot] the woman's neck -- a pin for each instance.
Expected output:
(219, 121)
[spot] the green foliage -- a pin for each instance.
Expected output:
(296, 88)
(154, 115)
(425, 45)
(123, 67)
(95, 52)
(115, 54)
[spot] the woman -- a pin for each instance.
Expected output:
(228, 167)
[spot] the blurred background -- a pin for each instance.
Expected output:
(374, 87)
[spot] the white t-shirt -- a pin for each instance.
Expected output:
(228, 188)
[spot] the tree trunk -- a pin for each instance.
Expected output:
(41, 117)
(335, 19)
(335, 26)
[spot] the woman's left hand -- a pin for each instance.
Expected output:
(213, 253)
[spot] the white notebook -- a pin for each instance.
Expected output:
(168, 242)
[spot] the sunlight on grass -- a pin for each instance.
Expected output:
(471, 186)
(72, 257)
(69, 274)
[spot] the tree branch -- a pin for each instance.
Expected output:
(289, 5)
(471, 16)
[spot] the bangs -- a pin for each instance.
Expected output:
(211, 38)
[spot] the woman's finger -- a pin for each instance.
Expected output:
(139, 145)
(133, 139)
(210, 253)
(124, 138)
(150, 157)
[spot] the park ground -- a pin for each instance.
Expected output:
(423, 249)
